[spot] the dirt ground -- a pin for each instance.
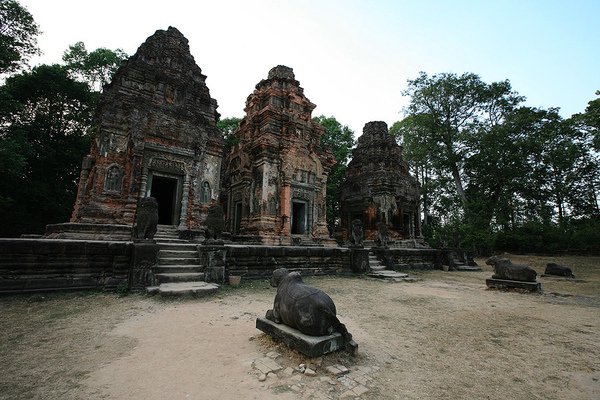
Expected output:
(444, 336)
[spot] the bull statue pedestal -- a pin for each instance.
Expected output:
(304, 318)
(512, 276)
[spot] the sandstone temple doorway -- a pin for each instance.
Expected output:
(165, 190)
(299, 218)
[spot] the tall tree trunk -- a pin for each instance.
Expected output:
(425, 196)
(459, 185)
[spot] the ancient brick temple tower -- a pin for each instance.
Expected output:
(154, 134)
(378, 187)
(274, 191)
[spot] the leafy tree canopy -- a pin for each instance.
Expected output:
(227, 126)
(339, 139)
(96, 67)
(453, 111)
(42, 143)
(589, 122)
(514, 169)
(18, 32)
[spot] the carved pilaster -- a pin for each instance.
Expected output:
(184, 202)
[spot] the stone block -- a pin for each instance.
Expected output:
(360, 260)
(266, 365)
(144, 257)
(312, 346)
(507, 284)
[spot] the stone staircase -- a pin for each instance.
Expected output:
(179, 271)
(459, 264)
(379, 271)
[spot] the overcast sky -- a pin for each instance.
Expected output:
(353, 58)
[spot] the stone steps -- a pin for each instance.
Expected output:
(179, 271)
(178, 261)
(178, 246)
(379, 271)
(374, 263)
(178, 253)
(174, 269)
(169, 240)
(184, 289)
(169, 277)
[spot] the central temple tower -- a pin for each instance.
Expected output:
(276, 174)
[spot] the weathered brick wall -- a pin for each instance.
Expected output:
(260, 261)
(38, 264)
(410, 258)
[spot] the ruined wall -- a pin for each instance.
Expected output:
(400, 259)
(155, 122)
(34, 265)
(276, 175)
(260, 261)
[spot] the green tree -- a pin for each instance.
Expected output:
(96, 68)
(44, 136)
(227, 126)
(588, 122)
(452, 112)
(340, 140)
(520, 174)
(18, 36)
(420, 165)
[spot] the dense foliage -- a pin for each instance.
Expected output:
(18, 36)
(44, 117)
(340, 140)
(96, 67)
(227, 126)
(42, 143)
(497, 175)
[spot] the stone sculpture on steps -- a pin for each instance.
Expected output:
(146, 219)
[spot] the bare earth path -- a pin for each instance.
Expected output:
(445, 336)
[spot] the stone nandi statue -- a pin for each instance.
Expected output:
(505, 269)
(305, 308)
(558, 270)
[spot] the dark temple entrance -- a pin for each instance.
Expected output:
(237, 217)
(164, 190)
(298, 218)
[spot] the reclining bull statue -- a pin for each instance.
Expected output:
(305, 308)
(505, 269)
(558, 270)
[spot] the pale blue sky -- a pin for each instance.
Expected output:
(353, 57)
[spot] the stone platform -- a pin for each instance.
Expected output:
(390, 275)
(312, 346)
(469, 268)
(79, 231)
(507, 284)
(189, 289)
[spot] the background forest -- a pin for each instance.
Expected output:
(495, 175)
